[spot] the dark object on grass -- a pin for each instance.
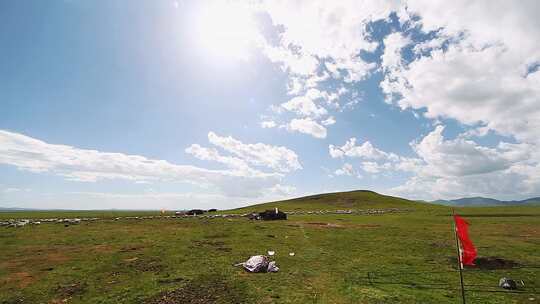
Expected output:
(494, 263)
(490, 263)
(212, 210)
(507, 284)
(272, 215)
(195, 212)
(254, 216)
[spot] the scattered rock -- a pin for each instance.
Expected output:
(507, 284)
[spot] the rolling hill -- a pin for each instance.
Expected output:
(359, 199)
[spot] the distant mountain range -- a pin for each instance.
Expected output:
(8, 209)
(485, 201)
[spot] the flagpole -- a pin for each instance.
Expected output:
(460, 265)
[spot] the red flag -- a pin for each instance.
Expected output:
(468, 253)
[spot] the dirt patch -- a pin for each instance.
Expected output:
(494, 263)
(203, 290)
(41, 257)
(489, 263)
(30, 265)
(102, 248)
(21, 279)
(56, 257)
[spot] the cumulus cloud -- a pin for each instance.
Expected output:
(470, 62)
(393, 44)
(336, 31)
(304, 106)
(447, 168)
(278, 158)
(213, 155)
(365, 151)
(348, 170)
(329, 121)
(483, 75)
(307, 126)
(473, 87)
(83, 165)
(319, 40)
(460, 157)
(374, 160)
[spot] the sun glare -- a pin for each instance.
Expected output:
(226, 29)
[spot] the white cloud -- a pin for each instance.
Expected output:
(460, 157)
(332, 30)
(259, 154)
(393, 44)
(329, 121)
(14, 189)
(346, 169)
(365, 151)
(471, 86)
(482, 76)
(283, 190)
(449, 168)
(29, 154)
(268, 124)
(213, 155)
(373, 167)
(307, 126)
(304, 106)
(476, 70)
(319, 39)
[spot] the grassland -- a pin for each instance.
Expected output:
(389, 258)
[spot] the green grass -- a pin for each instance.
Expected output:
(408, 256)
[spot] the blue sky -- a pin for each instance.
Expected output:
(182, 104)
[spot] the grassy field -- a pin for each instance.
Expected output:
(390, 258)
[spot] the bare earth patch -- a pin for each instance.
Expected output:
(494, 263)
(21, 279)
(202, 290)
